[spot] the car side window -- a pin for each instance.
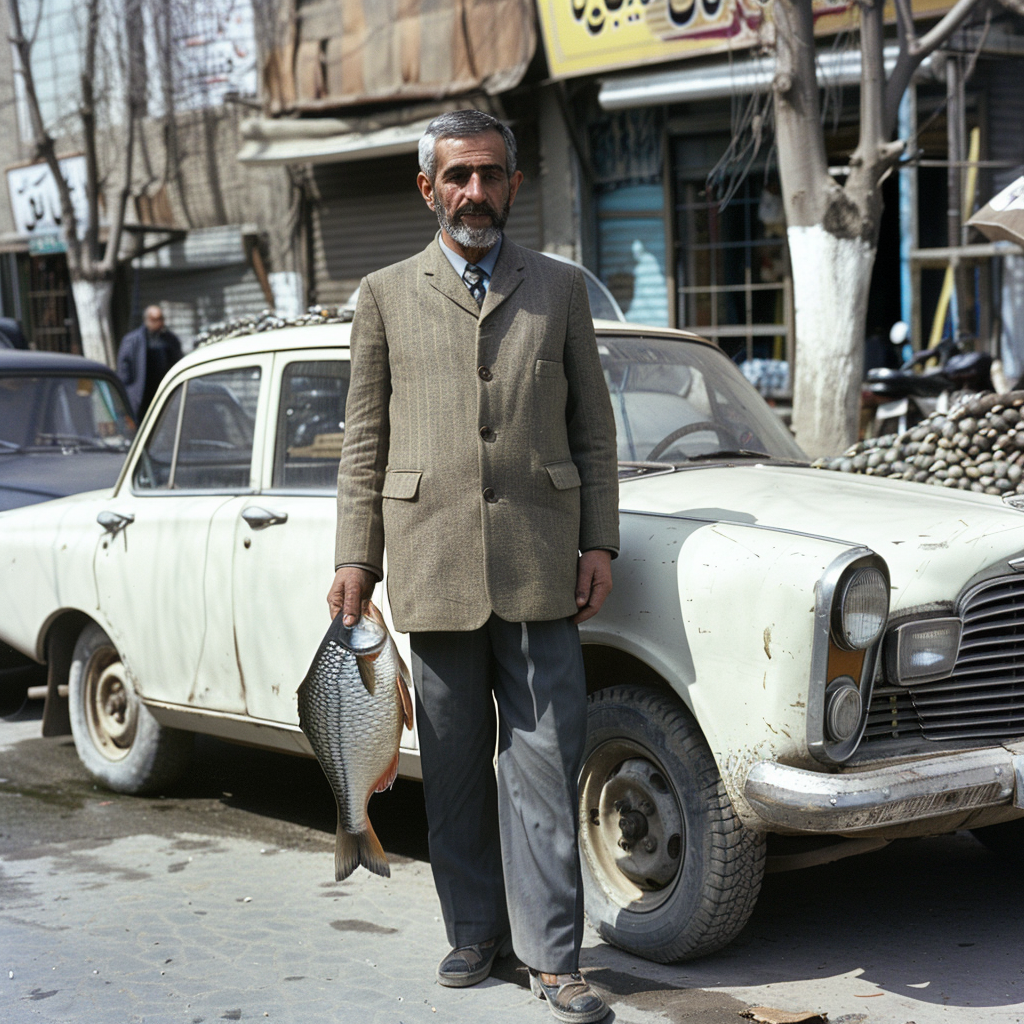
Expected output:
(310, 424)
(203, 438)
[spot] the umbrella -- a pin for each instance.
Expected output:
(1002, 218)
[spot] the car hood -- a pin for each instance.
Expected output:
(933, 539)
(28, 478)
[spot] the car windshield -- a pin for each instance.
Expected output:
(55, 413)
(681, 402)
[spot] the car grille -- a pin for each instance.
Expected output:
(983, 700)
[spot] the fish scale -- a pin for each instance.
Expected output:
(352, 705)
(345, 719)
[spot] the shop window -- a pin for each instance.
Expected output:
(51, 320)
(631, 242)
(732, 272)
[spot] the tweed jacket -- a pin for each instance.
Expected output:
(479, 443)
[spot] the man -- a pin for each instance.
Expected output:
(144, 356)
(479, 441)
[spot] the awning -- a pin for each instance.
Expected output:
(724, 79)
(323, 140)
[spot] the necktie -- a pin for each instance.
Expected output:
(474, 278)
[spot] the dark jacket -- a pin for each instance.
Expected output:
(131, 362)
(11, 334)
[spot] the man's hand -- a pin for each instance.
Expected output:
(351, 589)
(593, 583)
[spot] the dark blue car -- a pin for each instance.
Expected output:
(65, 426)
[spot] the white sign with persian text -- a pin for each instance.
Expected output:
(35, 201)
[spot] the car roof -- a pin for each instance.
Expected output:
(22, 361)
(336, 335)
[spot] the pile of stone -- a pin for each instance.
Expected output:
(268, 321)
(978, 445)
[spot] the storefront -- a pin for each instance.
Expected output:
(688, 218)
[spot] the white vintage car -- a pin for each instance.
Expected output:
(787, 652)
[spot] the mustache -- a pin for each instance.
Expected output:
(474, 209)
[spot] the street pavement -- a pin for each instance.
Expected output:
(219, 903)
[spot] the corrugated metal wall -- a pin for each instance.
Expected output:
(197, 282)
(372, 215)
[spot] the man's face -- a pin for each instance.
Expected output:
(471, 192)
(153, 318)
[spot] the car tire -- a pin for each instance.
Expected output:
(1005, 840)
(117, 738)
(688, 877)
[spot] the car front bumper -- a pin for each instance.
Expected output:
(793, 798)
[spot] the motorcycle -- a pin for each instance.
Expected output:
(904, 397)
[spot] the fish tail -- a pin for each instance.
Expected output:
(353, 849)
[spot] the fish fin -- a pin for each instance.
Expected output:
(402, 682)
(352, 849)
(371, 853)
(367, 674)
(346, 853)
(387, 780)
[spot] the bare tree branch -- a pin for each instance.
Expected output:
(914, 50)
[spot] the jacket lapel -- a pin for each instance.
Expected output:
(441, 276)
(507, 277)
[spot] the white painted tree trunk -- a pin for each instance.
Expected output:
(831, 279)
(92, 304)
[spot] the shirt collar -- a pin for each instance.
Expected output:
(460, 263)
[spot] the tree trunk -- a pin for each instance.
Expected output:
(831, 278)
(92, 303)
(832, 231)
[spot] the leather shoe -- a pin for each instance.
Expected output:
(570, 997)
(468, 965)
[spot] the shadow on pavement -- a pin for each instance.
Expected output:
(936, 920)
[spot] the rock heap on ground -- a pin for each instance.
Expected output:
(978, 445)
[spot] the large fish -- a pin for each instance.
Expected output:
(352, 706)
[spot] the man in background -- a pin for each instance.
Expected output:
(144, 356)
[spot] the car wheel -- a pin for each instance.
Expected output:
(116, 737)
(669, 871)
(1005, 840)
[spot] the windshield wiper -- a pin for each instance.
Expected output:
(730, 453)
(641, 466)
(71, 441)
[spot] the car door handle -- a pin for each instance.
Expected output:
(114, 522)
(260, 518)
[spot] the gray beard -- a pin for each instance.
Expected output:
(472, 238)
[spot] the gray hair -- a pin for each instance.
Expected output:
(458, 124)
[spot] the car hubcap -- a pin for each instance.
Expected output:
(632, 833)
(111, 706)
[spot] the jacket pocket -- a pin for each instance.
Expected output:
(564, 475)
(401, 484)
(548, 368)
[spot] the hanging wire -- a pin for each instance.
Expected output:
(752, 124)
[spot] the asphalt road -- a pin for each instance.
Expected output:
(217, 902)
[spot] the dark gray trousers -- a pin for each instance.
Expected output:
(503, 851)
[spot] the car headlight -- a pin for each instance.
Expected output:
(843, 709)
(920, 652)
(859, 613)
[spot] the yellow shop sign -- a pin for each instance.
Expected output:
(584, 37)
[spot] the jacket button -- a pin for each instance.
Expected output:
(489, 495)
(484, 373)
(486, 433)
